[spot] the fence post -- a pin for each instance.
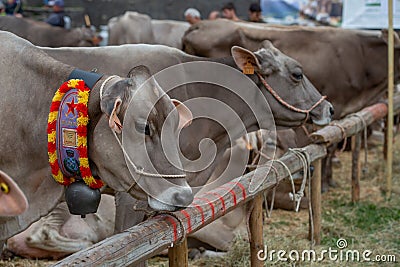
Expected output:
(178, 255)
(316, 203)
(356, 167)
(256, 231)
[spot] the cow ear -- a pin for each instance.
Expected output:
(12, 200)
(243, 56)
(185, 115)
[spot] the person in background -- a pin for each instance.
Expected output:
(229, 12)
(13, 8)
(56, 18)
(215, 14)
(255, 13)
(192, 15)
(2, 10)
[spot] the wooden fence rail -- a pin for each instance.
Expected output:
(158, 233)
(168, 229)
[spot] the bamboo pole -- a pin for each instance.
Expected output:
(152, 236)
(178, 255)
(315, 198)
(356, 167)
(389, 161)
(256, 231)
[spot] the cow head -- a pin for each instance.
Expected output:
(285, 76)
(12, 200)
(139, 107)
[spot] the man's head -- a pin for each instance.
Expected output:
(229, 11)
(192, 15)
(255, 12)
(58, 5)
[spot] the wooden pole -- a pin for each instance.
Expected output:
(316, 203)
(256, 231)
(389, 161)
(178, 255)
(356, 167)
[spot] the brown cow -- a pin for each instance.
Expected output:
(348, 66)
(43, 34)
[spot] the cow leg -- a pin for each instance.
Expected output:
(126, 216)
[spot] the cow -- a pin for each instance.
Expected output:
(348, 66)
(43, 34)
(27, 90)
(135, 28)
(119, 58)
(12, 200)
(60, 233)
(268, 60)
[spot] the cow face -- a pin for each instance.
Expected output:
(150, 123)
(12, 200)
(285, 76)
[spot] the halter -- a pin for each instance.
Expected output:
(286, 104)
(138, 170)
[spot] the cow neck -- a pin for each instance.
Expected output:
(94, 108)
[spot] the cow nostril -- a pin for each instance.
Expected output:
(331, 111)
(183, 199)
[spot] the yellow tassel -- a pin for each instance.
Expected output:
(52, 116)
(51, 138)
(83, 97)
(52, 157)
(73, 83)
(82, 121)
(84, 162)
(58, 96)
(59, 177)
(81, 141)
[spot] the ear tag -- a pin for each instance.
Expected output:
(248, 68)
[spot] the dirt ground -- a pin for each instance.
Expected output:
(372, 224)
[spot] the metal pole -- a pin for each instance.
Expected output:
(389, 161)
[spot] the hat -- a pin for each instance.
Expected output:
(192, 12)
(255, 7)
(59, 3)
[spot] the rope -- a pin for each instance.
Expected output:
(104, 84)
(344, 135)
(284, 103)
(138, 170)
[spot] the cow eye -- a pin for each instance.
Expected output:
(297, 75)
(143, 128)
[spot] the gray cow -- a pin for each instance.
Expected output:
(135, 28)
(27, 89)
(43, 34)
